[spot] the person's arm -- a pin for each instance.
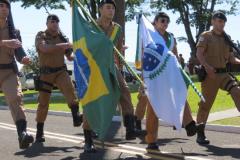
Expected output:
(43, 47)
(233, 59)
(201, 48)
(209, 69)
(175, 50)
(12, 43)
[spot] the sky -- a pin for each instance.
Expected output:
(30, 21)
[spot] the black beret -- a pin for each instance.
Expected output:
(220, 15)
(6, 2)
(107, 1)
(52, 17)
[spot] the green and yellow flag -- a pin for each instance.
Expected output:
(95, 74)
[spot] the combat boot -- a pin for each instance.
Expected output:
(152, 147)
(24, 138)
(191, 129)
(40, 133)
(77, 117)
(138, 127)
(130, 128)
(88, 146)
(201, 138)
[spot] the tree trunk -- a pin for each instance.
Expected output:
(120, 16)
(120, 13)
(93, 10)
(186, 22)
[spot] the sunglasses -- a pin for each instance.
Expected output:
(164, 21)
(53, 21)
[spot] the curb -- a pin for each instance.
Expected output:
(209, 127)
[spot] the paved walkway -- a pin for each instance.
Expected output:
(230, 113)
(223, 115)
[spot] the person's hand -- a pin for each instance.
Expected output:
(65, 45)
(70, 58)
(12, 43)
(26, 60)
(211, 72)
(124, 48)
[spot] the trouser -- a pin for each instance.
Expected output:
(210, 89)
(12, 91)
(62, 80)
(152, 122)
(125, 99)
(142, 104)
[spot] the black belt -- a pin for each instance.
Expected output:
(7, 66)
(49, 70)
(221, 70)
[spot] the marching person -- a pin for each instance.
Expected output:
(11, 48)
(214, 52)
(113, 31)
(160, 23)
(51, 46)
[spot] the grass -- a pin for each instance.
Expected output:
(229, 121)
(58, 103)
(222, 102)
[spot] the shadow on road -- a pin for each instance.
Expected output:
(38, 149)
(220, 151)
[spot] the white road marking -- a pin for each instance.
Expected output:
(107, 145)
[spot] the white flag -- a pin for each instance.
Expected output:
(165, 85)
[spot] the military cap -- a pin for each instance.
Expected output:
(220, 15)
(52, 17)
(107, 2)
(6, 2)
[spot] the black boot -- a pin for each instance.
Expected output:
(24, 138)
(138, 127)
(40, 134)
(77, 117)
(130, 129)
(138, 123)
(201, 138)
(191, 129)
(88, 146)
(153, 147)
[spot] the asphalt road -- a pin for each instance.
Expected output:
(64, 142)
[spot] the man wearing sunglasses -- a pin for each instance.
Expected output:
(160, 23)
(52, 46)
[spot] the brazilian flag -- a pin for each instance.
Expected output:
(95, 75)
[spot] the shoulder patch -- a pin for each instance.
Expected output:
(201, 39)
(41, 34)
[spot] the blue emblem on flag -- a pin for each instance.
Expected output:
(81, 72)
(152, 54)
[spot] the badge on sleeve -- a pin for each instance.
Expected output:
(201, 39)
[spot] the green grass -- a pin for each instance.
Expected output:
(229, 121)
(222, 102)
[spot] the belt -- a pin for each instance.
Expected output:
(7, 66)
(221, 70)
(49, 70)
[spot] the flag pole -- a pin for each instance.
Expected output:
(114, 47)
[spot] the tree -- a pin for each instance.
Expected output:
(34, 66)
(195, 14)
(91, 5)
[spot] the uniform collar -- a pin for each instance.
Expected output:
(220, 35)
(48, 33)
(101, 23)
